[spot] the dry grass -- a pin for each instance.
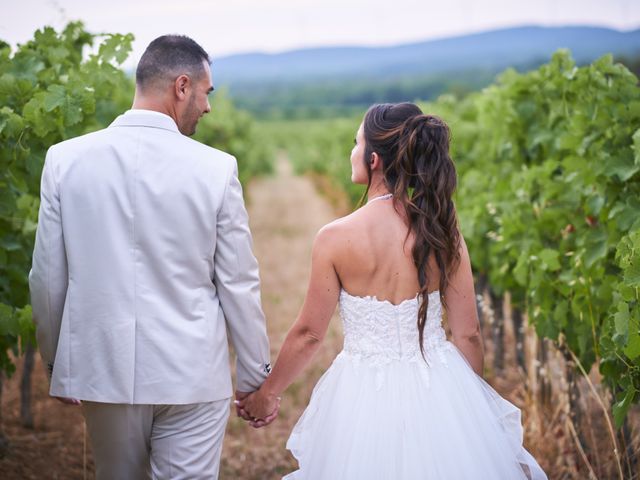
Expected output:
(571, 438)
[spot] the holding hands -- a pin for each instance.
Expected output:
(303, 340)
(258, 408)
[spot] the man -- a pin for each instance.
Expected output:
(142, 262)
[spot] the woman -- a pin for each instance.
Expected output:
(400, 401)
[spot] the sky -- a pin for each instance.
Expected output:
(239, 26)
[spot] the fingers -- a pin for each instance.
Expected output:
(256, 409)
(240, 410)
(68, 401)
(242, 413)
(270, 418)
(262, 422)
(250, 406)
(261, 406)
(257, 423)
(242, 395)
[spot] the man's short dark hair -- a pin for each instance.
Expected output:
(169, 56)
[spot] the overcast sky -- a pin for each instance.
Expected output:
(234, 26)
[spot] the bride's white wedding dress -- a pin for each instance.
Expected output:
(381, 412)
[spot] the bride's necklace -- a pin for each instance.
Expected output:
(380, 197)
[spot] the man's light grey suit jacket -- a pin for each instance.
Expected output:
(142, 251)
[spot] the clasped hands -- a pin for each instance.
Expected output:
(258, 408)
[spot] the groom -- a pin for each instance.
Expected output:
(142, 263)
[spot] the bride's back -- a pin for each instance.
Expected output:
(373, 256)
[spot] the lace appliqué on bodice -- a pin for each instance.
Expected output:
(377, 332)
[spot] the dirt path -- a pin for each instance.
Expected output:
(285, 213)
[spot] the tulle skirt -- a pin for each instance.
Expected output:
(409, 420)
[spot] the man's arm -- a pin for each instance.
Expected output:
(238, 284)
(48, 279)
(307, 333)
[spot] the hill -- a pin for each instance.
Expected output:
(343, 76)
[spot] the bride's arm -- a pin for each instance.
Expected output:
(462, 314)
(305, 336)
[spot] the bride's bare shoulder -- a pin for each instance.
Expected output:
(337, 234)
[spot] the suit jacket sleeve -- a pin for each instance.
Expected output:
(48, 279)
(238, 285)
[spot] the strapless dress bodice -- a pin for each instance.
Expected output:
(379, 331)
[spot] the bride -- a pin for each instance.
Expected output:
(400, 401)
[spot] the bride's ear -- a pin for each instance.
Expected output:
(375, 162)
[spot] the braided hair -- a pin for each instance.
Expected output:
(417, 169)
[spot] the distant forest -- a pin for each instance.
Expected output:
(349, 95)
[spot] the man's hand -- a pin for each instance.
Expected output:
(261, 408)
(240, 412)
(68, 401)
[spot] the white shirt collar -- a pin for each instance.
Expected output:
(142, 110)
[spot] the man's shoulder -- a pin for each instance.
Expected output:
(206, 151)
(79, 142)
(188, 147)
(205, 159)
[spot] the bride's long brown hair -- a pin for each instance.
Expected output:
(417, 169)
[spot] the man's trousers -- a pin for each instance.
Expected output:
(156, 441)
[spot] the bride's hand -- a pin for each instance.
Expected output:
(261, 407)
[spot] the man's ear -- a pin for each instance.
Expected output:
(375, 161)
(181, 86)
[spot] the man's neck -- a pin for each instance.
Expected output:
(149, 107)
(153, 104)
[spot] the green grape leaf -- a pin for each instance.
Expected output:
(11, 124)
(549, 259)
(595, 247)
(41, 122)
(625, 213)
(560, 313)
(55, 97)
(8, 321)
(521, 270)
(115, 47)
(621, 408)
(621, 320)
(636, 146)
(623, 165)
